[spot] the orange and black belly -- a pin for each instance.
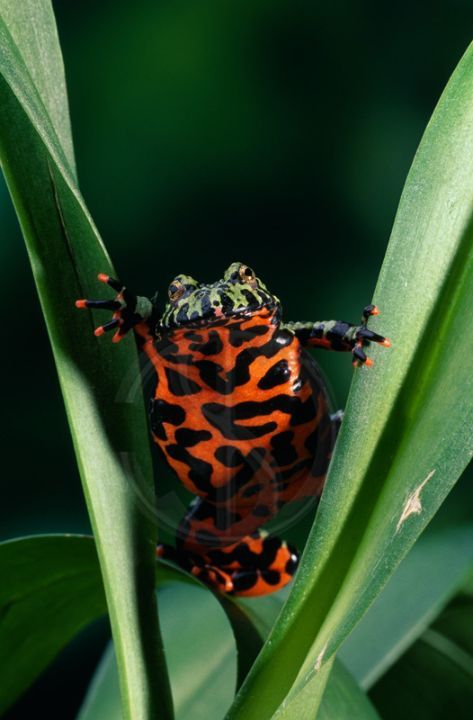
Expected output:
(241, 415)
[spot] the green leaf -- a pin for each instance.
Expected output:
(263, 611)
(106, 416)
(56, 579)
(50, 588)
(344, 699)
(434, 678)
(408, 428)
(42, 57)
(249, 639)
(103, 696)
(428, 577)
(338, 696)
(200, 650)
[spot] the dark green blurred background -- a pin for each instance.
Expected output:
(274, 132)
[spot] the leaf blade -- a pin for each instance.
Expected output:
(372, 511)
(48, 74)
(55, 578)
(428, 577)
(109, 430)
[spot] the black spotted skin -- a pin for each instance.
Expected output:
(240, 413)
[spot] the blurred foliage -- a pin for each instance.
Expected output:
(434, 678)
(273, 132)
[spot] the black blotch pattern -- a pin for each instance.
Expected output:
(293, 562)
(200, 471)
(161, 412)
(283, 451)
(250, 297)
(243, 476)
(301, 411)
(238, 337)
(223, 418)
(272, 577)
(278, 374)
(179, 359)
(213, 346)
(226, 301)
(252, 490)
(304, 335)
(210, 372)
(179, 384)
(165, 347)
(245, 557)
(182, 316)
(244, 580)
(229, 456)
(317, 330)
(336, 335)
(188, 437)
(206, 306)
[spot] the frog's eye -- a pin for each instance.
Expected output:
(247, 275)
(176, 290)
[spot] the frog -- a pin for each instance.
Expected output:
(240, 413)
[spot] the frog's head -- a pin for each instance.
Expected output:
(238, 293)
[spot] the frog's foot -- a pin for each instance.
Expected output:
(363, 337)
(210, 575)
(258, 564)
(124, 307)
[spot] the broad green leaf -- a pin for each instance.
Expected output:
(433, 680)
(344, 699)
(263, 611)
(428, 577)
(107, 419)
(303, 700)
(249, 638)
(200, 650)
(50, 588)
(103, 696)
(338, 696)
(456, 623)
(408, 428)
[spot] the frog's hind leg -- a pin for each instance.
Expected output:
(228, 552)
(258, 564)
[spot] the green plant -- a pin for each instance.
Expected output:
(406, 438)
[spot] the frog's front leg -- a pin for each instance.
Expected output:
(130, 311)
(339, 335)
